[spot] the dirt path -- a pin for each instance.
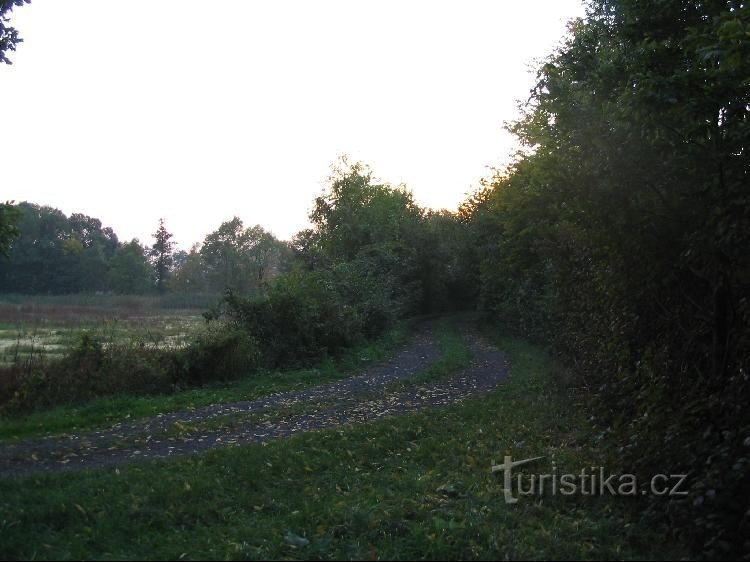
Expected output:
(365, 397)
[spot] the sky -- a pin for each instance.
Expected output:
(197, 112)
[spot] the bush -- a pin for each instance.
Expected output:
(620, 240)
(219, 354)
(300, 317)
(91, 369)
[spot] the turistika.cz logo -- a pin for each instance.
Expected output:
(590, 481)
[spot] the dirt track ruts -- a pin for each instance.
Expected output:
(361, 398)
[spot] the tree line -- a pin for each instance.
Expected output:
(47, 252)
(618, 238)
(371, 258)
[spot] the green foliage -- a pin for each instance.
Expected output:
(416, 486)
(301, 317)
(369, 228)
(446, 258)
(8, 230)
(57, 254)
(356, 213)
(224, 353)
(378, 242)
(620, 236)
(129, 270)
(51, 253)
(162, 258)
(92, 368)
(9, 38)
(189, 273)
(371, 257)
(239, 258)
(104, 411)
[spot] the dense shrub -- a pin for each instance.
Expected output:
(300, 317)
(92, 368)
(621, 239)
(222, 353)
(371, 258)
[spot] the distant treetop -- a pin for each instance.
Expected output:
(8, 35)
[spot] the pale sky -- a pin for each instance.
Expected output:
(199, 111)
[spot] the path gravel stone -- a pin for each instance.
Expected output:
(361, 398)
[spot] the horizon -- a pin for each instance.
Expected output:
(248, 123)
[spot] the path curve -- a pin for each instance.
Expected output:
(362, 398)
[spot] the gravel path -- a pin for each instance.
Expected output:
(365, 397)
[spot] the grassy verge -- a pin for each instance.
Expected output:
(454, 355)
(184, 430)
(107, 411)
(181, 430)
(417, 486)
(53, 337)
(139, 303)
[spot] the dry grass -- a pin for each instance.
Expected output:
(48, 325)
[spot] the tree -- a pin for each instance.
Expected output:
(8, 35)
(92, 247)
(129, 270)
(45, 257)
(358, 212)
(619, 237)
(239, 258)
(9, 216)
(54, 253)
(161, 256)
(369, 229)
(190, 273)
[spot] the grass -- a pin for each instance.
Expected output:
(54, 336)
(417, 486)
(108, 411)
(94, 302)
(184, 430)
(454, 355)
(50, 324)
